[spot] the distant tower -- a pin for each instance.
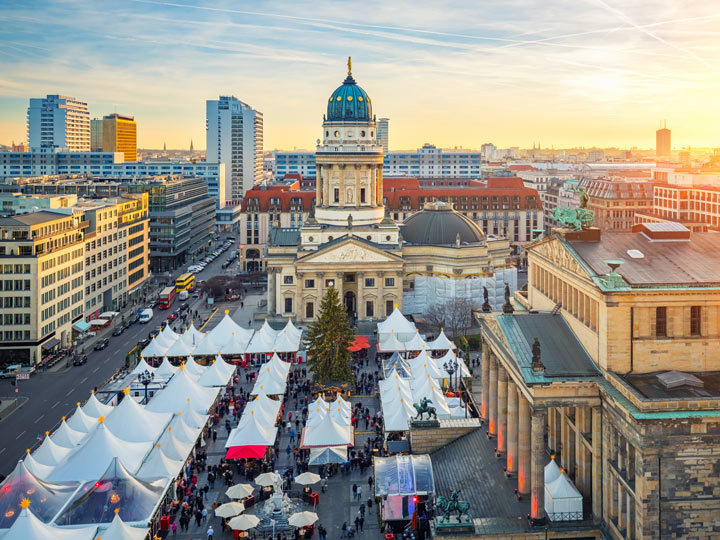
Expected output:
(164, 146)
(191, 145)
(662, 142)
(383, 133)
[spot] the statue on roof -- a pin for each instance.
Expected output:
(486, 307)
(453, 505)
(537, 364)
(507, 306)
(350, 65)
(575, 219)
(350, 221)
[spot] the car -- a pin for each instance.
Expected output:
(143, 343)
(101, 344)
(231, 238)
(196, 294)
(135, 318)
(172, 317)
(80, 360)
(118, 330)
(184, 306)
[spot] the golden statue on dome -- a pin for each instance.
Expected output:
(349, 65)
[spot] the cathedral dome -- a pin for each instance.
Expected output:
(349, 102)
(439, 225)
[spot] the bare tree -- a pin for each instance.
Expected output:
(455, 316)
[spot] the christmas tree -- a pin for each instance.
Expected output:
(328, 340)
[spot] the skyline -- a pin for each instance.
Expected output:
(587, 74)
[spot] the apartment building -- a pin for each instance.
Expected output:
(615, 200)
(42, 293)
(120, 135)
(57, 121)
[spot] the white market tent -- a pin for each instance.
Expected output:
(119, 530)
(286, 342)
(81, 421)
(191, 417)
(158, 465)
(292, 329)
(94, 408)
(219, 373)
(154, 349)
(263, 341)
(38, 469)
(441, 343)
(92, 459)
(29, 527)
(193, 336)
(142, 367)
(179, 348)
(166, 369)
(328, 432)
(390, 343)
(207, 347)
(226, 328)
(552, 471)
(168, 334)
(329, 454)
(50, 453)
(253, 432)
(563, 502)
(423, 365)
(397, 414)
(449, 357)
(236, 345)
(428, 388)
(193, 368)
(416, 343)
(174, 448)
(134, 423)
(398, 324)
(269, 383)
(181, 387)
(64, 435)
(182, 431)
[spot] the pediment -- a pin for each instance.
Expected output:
(349, 252)
(556, 252)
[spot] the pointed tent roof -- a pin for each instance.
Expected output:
(226, 327)
(193, 368)
(292, 329)
(135, 499)
(552, 471)
(182, 386)
(91, 459)
(318, 403)
(268, 384)
(424, 365)
(258, 408)
(397, 322)
(339, 401)
(450, 356)
(168, 334)
(207, 347)
(416, 343)
(50, 453)
(192, 418)
(142, 367)
(182, 432)
(134, 423)
(154, 349)
(254, 432)
(179, 348)
(327, 433)
(431, 390)
(81, 421)
(119, 530)
(38, 469)
(163, 340)
(173, 448)
(66, 436)
(286, 342)
(563, 488)
(20, 484)
(158, 465)
(263, 341)
(94, 408)
(390, 343)
(219, 373)
(330, 454)
(165, 369)
(28, 527)
(235, 345)
(396, 418)
(193, 336)
(441, 343)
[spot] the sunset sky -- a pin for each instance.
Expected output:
(461, 73)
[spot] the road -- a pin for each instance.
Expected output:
(54, 394)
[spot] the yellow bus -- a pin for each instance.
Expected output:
(184, 282)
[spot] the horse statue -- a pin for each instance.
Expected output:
(424, 407)
(453, 504)
(574, 218)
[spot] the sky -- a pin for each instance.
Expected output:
(560, 73)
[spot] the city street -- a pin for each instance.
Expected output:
(53, 394)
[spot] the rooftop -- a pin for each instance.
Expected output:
(651, 386)
(31, 218)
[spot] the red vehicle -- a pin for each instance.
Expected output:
(172, 317)
(166, 298)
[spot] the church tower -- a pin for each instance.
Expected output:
(349, 161)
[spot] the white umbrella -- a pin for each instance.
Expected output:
(239, 491)
(244, 522)
(229, 509)
(303, 519)
(266, 479)
(307, 478)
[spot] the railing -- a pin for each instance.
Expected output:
(565, 516)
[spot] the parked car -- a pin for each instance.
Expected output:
(119, 329)
(101, 344)
(172, 317)
(143, 343)
(135, 318)
(184, 306)
(80, 360)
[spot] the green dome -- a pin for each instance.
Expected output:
(349, 103)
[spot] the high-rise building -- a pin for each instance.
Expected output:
(234, 133)
(120, 135)
(383, 133)
(59, 122)
(662, 142)
(96, 135)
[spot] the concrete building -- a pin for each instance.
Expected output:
(15, 202)
(120, 135)
(612, 372)
(96, 135)
(234, 132)
(663, 146)
(696, 207)
(59, 122)
(383, 134)
(615, 200)
(42, 283)
(51, 161)
(302, 163)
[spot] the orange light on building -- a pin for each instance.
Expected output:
(521, 482)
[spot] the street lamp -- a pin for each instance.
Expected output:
(145, 378)
(451, 367)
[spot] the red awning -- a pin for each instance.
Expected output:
(242, 452)
(360, 342)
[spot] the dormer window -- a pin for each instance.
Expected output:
(362, 133)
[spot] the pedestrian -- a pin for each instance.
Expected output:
(210, 533)
(359, 493)
(204, 515)
(357, 522)
(174, 528)
(214, 435)
(343, 530)
(362, 510)
(354, 491)
(362, 523)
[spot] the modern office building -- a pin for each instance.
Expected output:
(182, 220)
(383, 134)
(234, 136)
(96, 135)
(50, 161)
(302, 163)
(58, 122)
(42, 290)
(662, 142)
(120, 135)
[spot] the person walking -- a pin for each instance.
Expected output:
(210, 533)
(174, 528)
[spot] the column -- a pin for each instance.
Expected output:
(502, 390)
(485, 359)
(380, 307)
(523, 445)
(564, 439)
(318, 185)
(596, 464)
(320, 284)
(339, 285)
(580, 451)
(360, 307)
(297, 301)
(271, 290)
(552, 432)
(512, 426)
(492, 398)
(537, 481)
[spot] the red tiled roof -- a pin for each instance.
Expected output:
(521, 168)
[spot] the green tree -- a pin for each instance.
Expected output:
(328, 339)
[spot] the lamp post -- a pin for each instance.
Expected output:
(451, 367)
(145, 379)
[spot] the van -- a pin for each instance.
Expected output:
(145, 316)
(183, 295)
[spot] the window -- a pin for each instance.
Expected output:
(288, 305)
(388, 307)
(329, 283)
(389, 281)
(695, 321)
(309, 310)
(310, 284)
(336, 194)
(288, 280)
(350, 277)
(369, 282)
(362, 195)
(369, 308)
(661, 322)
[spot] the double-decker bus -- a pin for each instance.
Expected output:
(166, 298)
(184, 282)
